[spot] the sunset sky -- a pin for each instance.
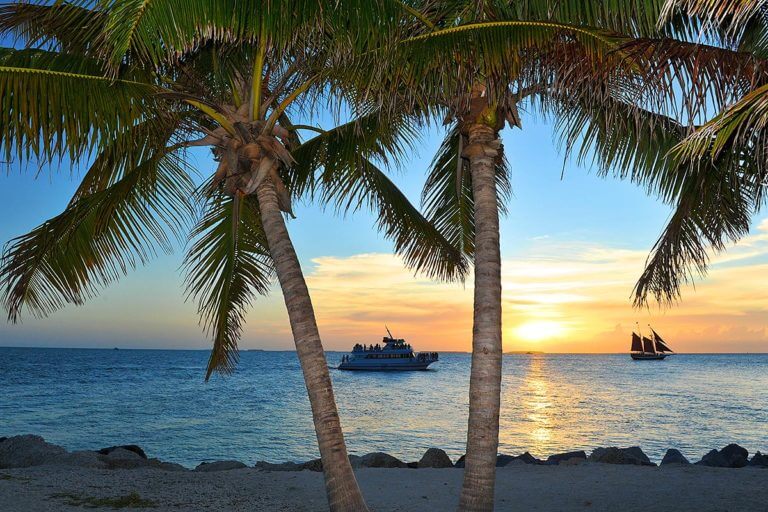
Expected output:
(572, 249)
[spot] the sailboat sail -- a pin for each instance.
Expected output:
(661, 345)
(637, 345)
(648, 345)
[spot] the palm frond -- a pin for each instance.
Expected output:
(66, 27)
(227, 265)
(447, 196)
(713, 209)
(97, 239)
(338, 167)
(713, 199)
(55, 105)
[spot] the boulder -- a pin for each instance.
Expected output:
(129, 447)
(632, 455)
(3, 439)
(355, 461)
(412, 465)
(732, 456)
(220, 465)
(525, 458)
(285, 466)
(713, 459)
(567, 458)
(120, 458)
(166, 466)
(674, 457)
(759, 460)
(435, 458)
(381, 460)
(28, 450)
(736, 456)
(460, 462)
(313, 465)
(83, 459)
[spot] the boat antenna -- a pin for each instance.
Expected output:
(389, 333)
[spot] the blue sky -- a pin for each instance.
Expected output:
(550, 218)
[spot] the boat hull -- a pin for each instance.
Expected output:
(648, 357)
(385, 367)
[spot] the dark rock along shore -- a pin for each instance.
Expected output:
(31, 450)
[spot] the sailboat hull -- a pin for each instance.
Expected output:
(648, 357)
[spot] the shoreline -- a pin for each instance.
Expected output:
(47, 477)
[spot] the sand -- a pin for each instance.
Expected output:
(583, 487)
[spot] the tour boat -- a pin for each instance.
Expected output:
(393, 355)
(647, 349)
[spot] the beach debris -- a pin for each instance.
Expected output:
(220, 465)
(28, 450)
(576, 457)
(130, 447)
(612, 455)
(674, 456)
(435, 458)
(732, 456)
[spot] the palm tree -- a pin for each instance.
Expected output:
(584, 64)
(124, 88)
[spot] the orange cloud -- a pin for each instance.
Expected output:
(570, 297)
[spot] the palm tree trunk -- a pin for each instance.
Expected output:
(341, 487)
(477, 492)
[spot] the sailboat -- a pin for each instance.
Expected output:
(645, 348)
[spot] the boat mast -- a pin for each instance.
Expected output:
(653, 340)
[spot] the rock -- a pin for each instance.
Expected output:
(732, 456)
(736, 456)
(674, 457)
(759, 460)
(632, 455)
(412, 465)
(567, 458)
(120, 458)
(356, 461)
(28, 450)
(130, 447)
(285, 466)
(83, 459)
(220, 465)
(460, 462)
(313, 465)
(3, 439)
(528, 458)
(435, 458)
(713, 459)
(381, 460)
(166, 466)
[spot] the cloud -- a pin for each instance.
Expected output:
(581, 292)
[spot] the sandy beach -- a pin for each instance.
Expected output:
(582, 487)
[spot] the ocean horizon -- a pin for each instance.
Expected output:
(551, 403)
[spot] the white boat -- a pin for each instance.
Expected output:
(647, 349)
(394, 354)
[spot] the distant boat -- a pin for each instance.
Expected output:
(394, 355)
(647, 349)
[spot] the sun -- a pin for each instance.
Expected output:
(538, 330)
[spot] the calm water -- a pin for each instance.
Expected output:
(85, 399)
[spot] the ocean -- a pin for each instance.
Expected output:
(89, 399)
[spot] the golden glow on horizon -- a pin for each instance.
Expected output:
(538, 330)
(557, 297)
